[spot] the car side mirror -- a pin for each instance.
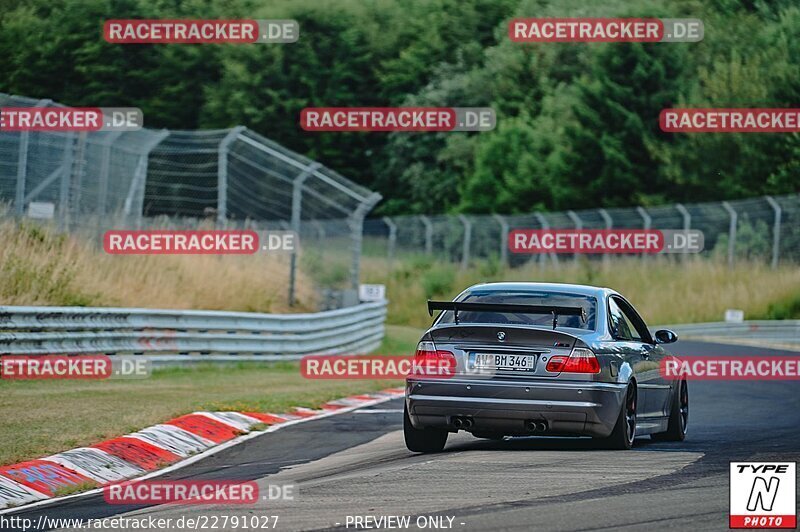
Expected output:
(665, 336)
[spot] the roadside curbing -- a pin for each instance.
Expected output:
(153, 450)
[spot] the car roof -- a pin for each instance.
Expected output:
(581, 289)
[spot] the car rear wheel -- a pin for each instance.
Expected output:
(678, 416)
(625, 429)
(422, 440)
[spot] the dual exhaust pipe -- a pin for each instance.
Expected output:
(466, 423)
(536, 426)
(462, 422)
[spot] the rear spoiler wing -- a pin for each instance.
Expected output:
(457, 306)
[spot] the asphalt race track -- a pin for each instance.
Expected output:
(355, 464)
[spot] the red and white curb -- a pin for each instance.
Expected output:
(153, 451)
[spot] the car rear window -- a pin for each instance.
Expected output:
(561, 299)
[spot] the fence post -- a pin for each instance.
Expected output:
(356, 222)
(105, 168)
(609, 223)
(647, 222)
(139, 182)
(321, 234)
(222, 174)
(392, 240)
(22, 165)
(467, 240)
(78, 171)
(297, 205)
(776, 229)
(63, 188)
(428, 234)
(734, 216)
(545, 225)
(578, 225)
(503, 238)
(687, 221)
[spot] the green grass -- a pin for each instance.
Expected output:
(63, 491)
(44, 417)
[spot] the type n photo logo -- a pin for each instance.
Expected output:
(763, 495)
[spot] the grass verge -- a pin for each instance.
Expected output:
(39, 266)
(38, 418)
(663, 290)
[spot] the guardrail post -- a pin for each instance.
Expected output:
(545, 225)
(776, 229)
(503, 238)
(609, 223)
(297, 205)
(22, 165)
(356, 222)
(392, 242)
(578, 226)
(222, 174)
(467, 240)
(428, 234)
(734, 216)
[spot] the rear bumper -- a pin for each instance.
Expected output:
(568, 408)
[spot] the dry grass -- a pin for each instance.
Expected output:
(41, 267)
(662, 289)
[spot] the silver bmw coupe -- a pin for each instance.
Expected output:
(536, 359)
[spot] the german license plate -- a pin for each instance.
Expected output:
(504, 361)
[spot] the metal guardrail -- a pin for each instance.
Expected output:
(64, 330)
(770, 331)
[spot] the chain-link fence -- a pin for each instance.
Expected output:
(764, 228)
(235, 178)
(231, 178)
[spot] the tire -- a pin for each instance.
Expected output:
(678, 416)
(422, 440)
(624, 432)
(489, 435)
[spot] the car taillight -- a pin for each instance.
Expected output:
(433, 362)
(579, 361)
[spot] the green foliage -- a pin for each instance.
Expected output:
(753, 241)
(784, 310)
(325, 271)
(438, 281)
